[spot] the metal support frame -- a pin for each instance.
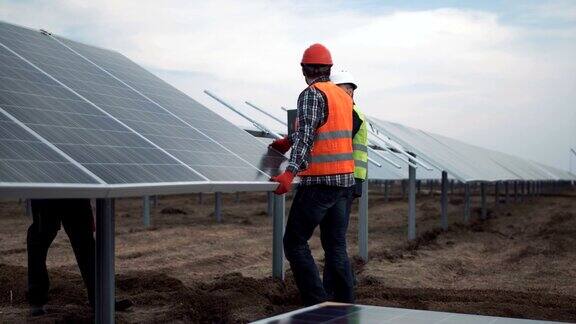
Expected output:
(277, 236)
(431, 187)
(270, 198)
(411, 203)
(516, 198)
(506, 191)
(146, 211)
(386, 190)
(28, 207)
(444, 202)
(404, 184)
(218, 206)
(363, 223)
(466, 203)
(497, 193)
(105, 285)
(484, 212)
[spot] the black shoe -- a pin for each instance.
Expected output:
(123, 305)
(37, 310)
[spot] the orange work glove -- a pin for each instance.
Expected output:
(281, 145)
(285, 180)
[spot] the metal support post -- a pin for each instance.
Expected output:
(516, 191)
(483, 194)
(497, 193)
(363, 223)
(444, 201)
(506, 191)
(146, 211)
(386, 190)
(104, 292)
(155, 201)
(277, 236)
(237, 199)
(452, 187)
(270, 196)
(218, 206)
(411, 203)
(466, 202)
(28, 206)
(431, 187)
(200, 200)
(404, 187)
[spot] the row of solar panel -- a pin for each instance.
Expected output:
(467, 162)
(73, 113)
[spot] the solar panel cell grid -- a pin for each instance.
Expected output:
(101, 144)
(141, 115)
(182, 106)
(23, 158)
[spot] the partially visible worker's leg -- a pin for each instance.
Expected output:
(309, 206)
(338, 276)
(41, 233)
(79, 224)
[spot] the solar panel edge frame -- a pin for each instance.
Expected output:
(103, 111)
(156, 103)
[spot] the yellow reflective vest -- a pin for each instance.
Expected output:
(360, 145)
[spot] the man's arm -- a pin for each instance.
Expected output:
(311, 114)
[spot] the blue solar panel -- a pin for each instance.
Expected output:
(172, 101)
(90, 137)
(24, 158)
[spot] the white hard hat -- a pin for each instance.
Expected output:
(342, 77)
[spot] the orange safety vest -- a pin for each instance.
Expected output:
(332, 149)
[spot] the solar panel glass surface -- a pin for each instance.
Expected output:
(90, 137)
(223, 150)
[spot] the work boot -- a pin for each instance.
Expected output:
(37, 310)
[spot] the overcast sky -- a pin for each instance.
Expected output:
(499, 74)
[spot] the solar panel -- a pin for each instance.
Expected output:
(98, 142)
(342, 313)
(455, 162)
(25, 158)
(228, 148)
(110, 127)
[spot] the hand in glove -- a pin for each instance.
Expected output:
(285, 182)
(281, 145)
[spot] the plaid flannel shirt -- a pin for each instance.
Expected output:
(312, 113)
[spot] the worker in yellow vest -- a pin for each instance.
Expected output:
(346, 81)
(322, 155)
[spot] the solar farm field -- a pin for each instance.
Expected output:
(188, 268)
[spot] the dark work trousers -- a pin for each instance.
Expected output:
(328, 207)
(75, 215)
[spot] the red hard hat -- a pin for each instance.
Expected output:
(317, 54)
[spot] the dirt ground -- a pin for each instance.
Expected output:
(186, 268)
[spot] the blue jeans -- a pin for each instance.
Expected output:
(328, 207)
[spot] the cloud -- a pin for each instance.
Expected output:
(471, 74)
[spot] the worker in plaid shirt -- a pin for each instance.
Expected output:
(322, 157)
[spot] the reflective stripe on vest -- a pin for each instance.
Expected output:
(360, 144)
(332, 151)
